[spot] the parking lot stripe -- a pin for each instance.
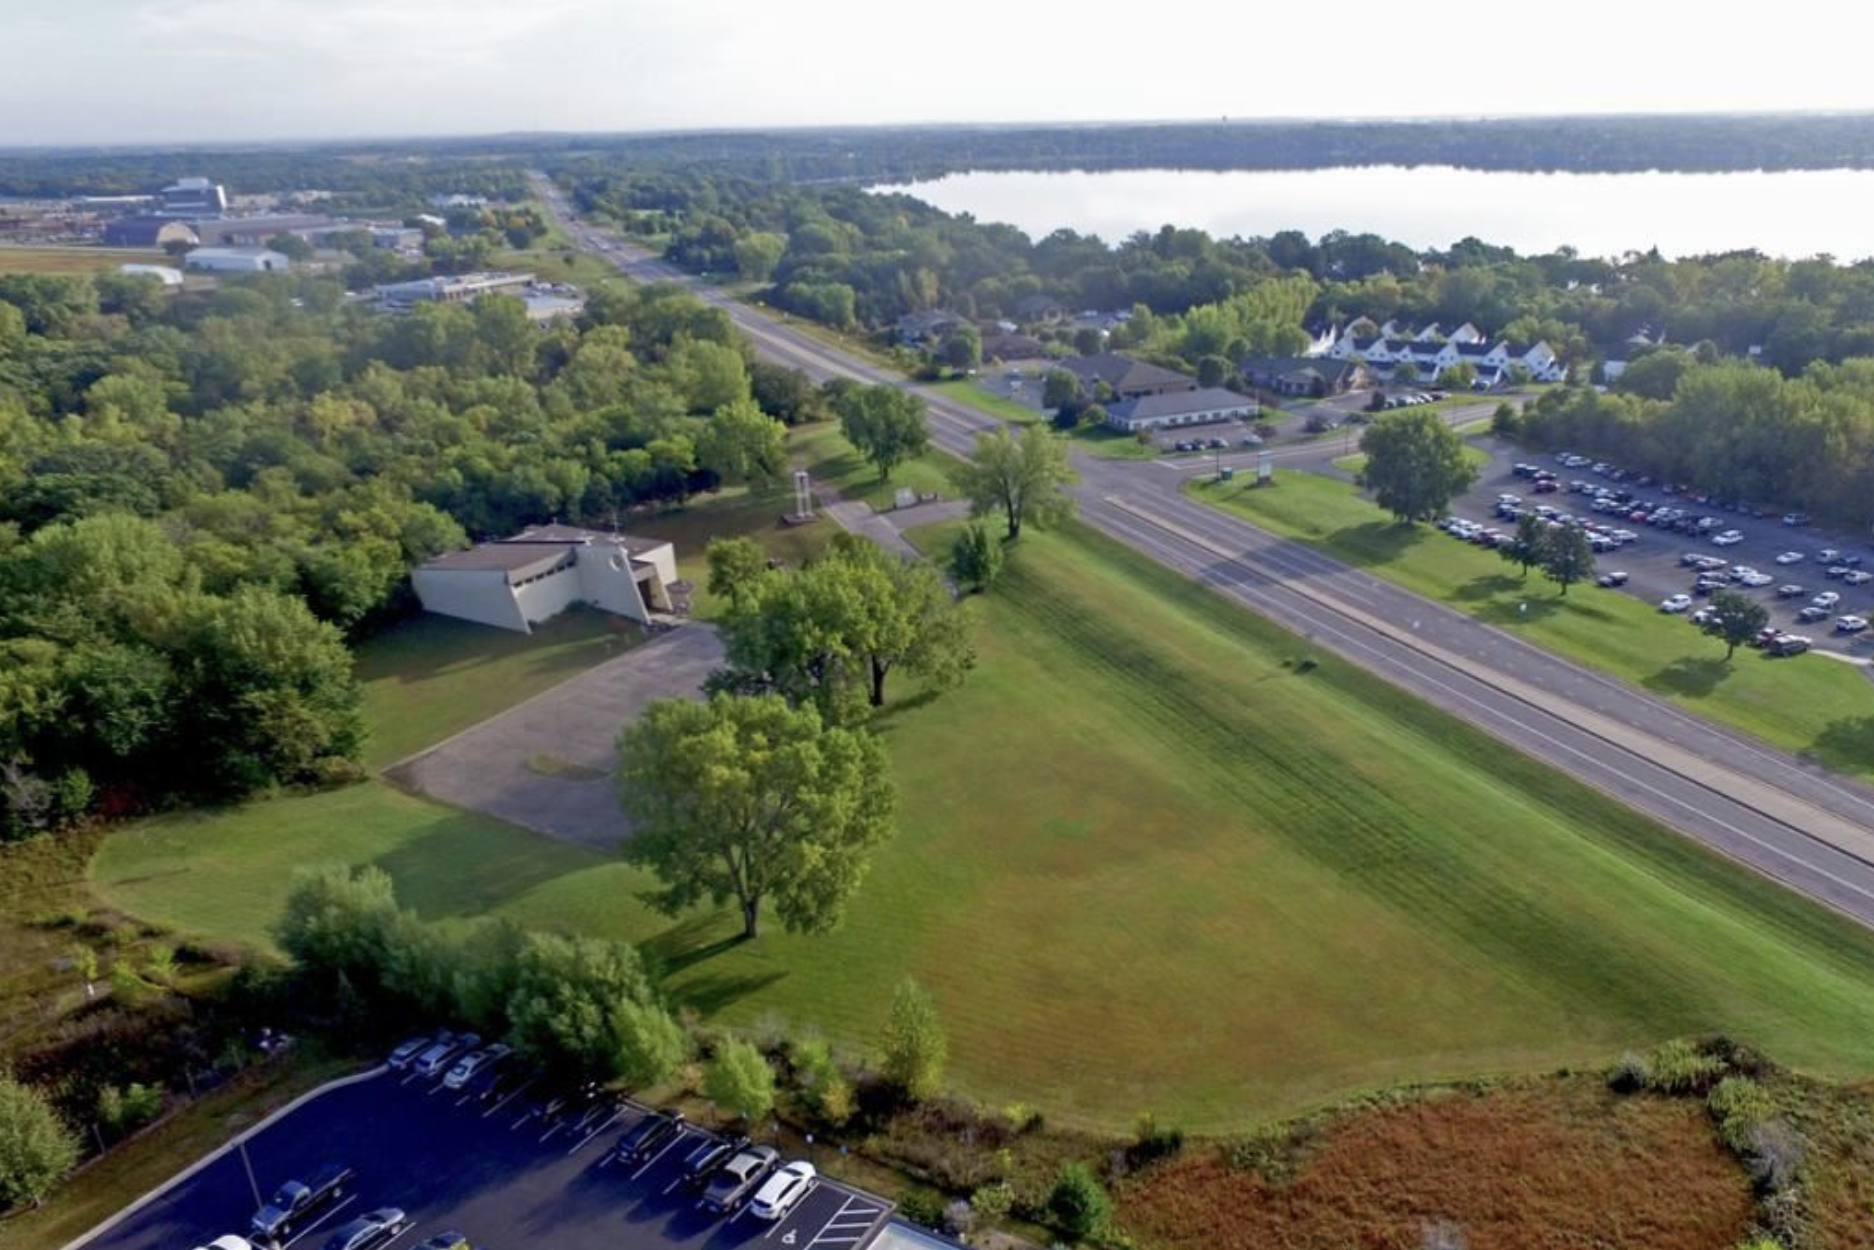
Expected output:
(512, 1094)
(600, 1129)
(674, 1143)
(854, 1229)
(313, 1227)
(778, 1224)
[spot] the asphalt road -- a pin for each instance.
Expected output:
(497, 1175)
(1787, 818)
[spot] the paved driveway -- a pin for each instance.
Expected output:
(497, 1174)
(547, 763)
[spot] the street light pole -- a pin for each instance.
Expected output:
(249, 1165)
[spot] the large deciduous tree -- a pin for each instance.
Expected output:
(742, 445)
(1525, 547)
(1415, 464)
(976, 559)
(1566, 556)
(752, 801)
(1025, 478)
(886, 423)
(1735, 619)
(834, 632)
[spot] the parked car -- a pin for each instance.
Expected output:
(1795, 518)
(474, 1063)
(451, 1240)
(1850, 624)
(509, 1080)
(648, 1136)
(737, 1178)
(1729, 538)
(1614, 578)
(1788, 644)
(700, 1164)
(1790, 557)
(1827, 599)
(228, 1242)
(406, 1054)
(781, 1192)
(1675, 603)
(369, 1230)
(297, 1203)
(1810, 614)
(436, 1060)
(1857, 577)
(1790, 590)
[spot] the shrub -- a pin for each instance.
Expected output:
(992, 1202)
(1272, 1151)
(1153, 1143)
(1021, 1117)
(739, 1080)
(1738, 1106)
(913, 1050)
(769, 1032)
(160, 964)
(922, 1207)
(1629, 1075)
(1079, 1204)
(1774, 1152)
(124, 1111)
(1679, 1067)
(36, 1148)
(959, 1218)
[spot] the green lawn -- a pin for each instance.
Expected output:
(429, 677)
(1357, 461)
(834, 462)
(1105, 441)
(1810, 704)
(78, 260)
(1148, 862)
(964, 391)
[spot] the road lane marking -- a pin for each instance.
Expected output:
(511, 1095)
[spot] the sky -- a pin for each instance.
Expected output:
(181, 71)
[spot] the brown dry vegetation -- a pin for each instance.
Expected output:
(1553, 1163)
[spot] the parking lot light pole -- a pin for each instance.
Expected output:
(240, 1143)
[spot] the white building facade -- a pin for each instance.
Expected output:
(516, 583)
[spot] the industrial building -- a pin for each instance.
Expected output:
(237, 260)
(516, 583)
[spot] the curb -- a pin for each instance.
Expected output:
(215, 1154)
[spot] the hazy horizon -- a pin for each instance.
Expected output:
(169, 73)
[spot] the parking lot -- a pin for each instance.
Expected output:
(499, 1173)
(1652, 559)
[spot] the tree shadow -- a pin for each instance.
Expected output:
(896, 707)
(1693, 678)
(1845, 744)
(1383, 540)
(1521, 611)
(693, 940)
(1490, 586)
(711, 993)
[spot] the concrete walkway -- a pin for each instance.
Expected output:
(887, 528)
(547, 763)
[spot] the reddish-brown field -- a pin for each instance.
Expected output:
(1559, 1163)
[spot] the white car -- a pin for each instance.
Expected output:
(780, 1192)
(1857, 577)
(468, 1065)
(230, 1242)
(1827, 599)
(1677, 603)
(1850, 624)
(1790, 557)
(1730, 538)
(1751, 577)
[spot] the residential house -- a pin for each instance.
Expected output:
(516, 583)
(929, 327)
(1305, 375)
(1039, 310)
(1177, 408)
(1125, 377)
(1000, 346)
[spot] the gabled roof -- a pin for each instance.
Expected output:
(1473, 349)
(1123, 373)
(1177, 403)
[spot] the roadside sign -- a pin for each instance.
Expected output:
(1265, 466)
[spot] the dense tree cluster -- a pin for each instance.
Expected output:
(199, 494)
(1737, 431)
(582, 1005)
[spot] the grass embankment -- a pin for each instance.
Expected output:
(972, 395)
(1111, 444)
(1357, 461)
(1149, 861)
(78, 260)
(1810, 704)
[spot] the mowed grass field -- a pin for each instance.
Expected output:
(1812, 705)
(1146, 862)
(76, 260)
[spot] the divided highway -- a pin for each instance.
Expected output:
(1788, 819)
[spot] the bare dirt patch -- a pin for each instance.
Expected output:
(1557, 1163)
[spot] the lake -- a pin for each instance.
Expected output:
(1793, 213)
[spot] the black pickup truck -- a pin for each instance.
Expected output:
(297, 1203)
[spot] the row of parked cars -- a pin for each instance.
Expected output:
(725, 1173)
(299, 1204)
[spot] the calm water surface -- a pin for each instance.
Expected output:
(1795, 214)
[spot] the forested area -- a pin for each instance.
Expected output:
(203, 497)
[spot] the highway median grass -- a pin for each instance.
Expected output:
(1156, 854)
(1810, 705)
